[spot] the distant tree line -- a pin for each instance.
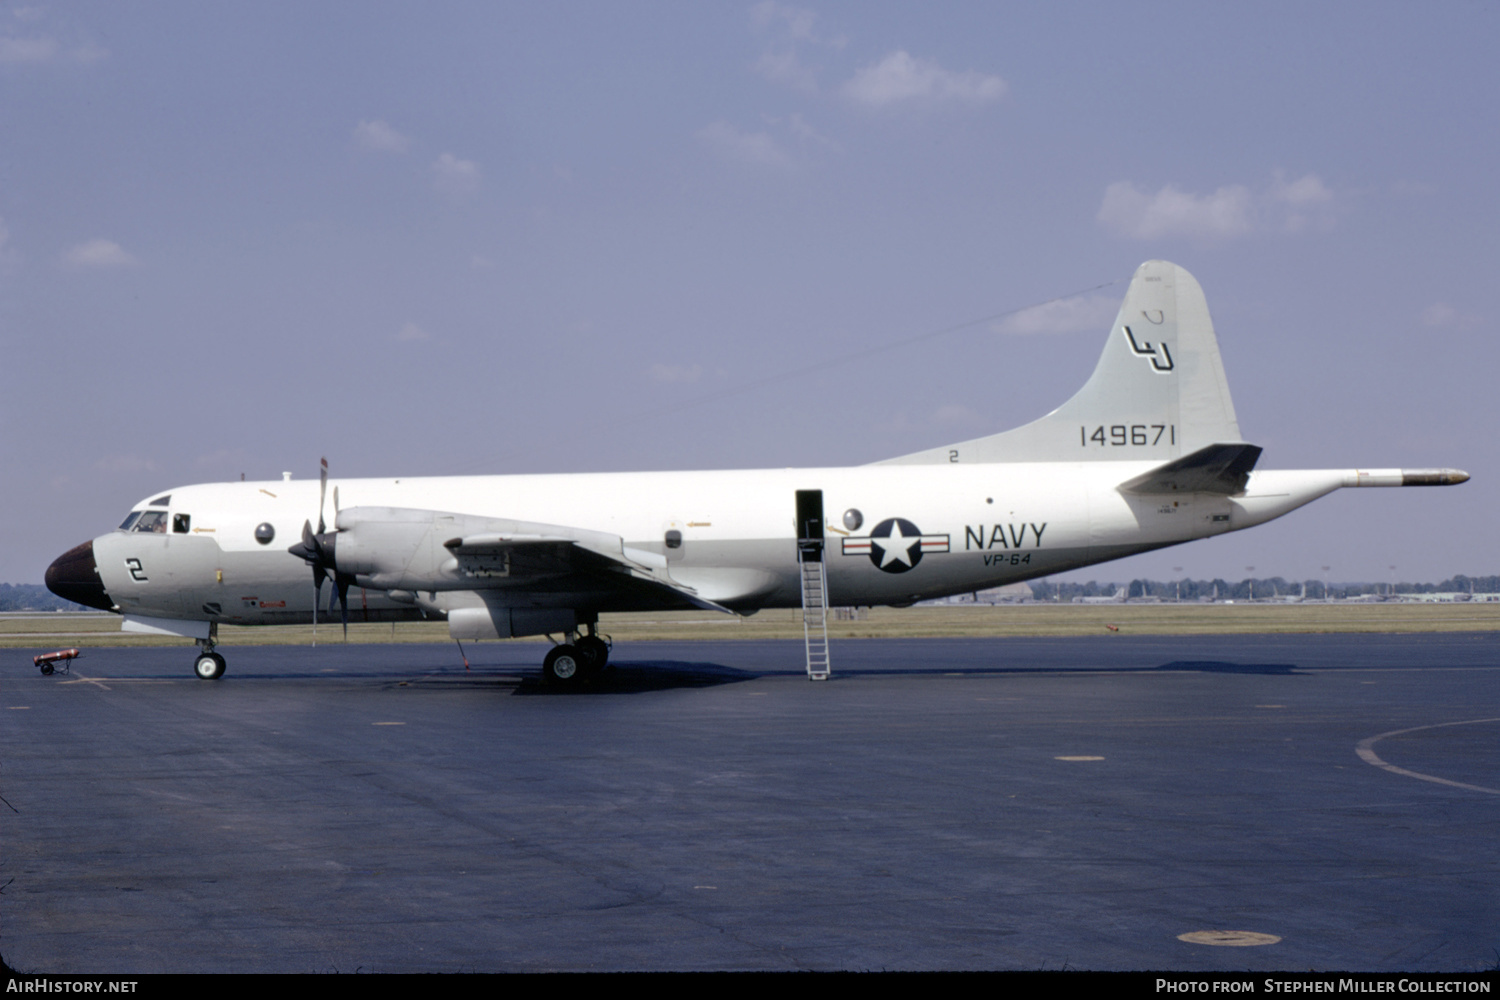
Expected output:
(1259, 589)
(33, 597)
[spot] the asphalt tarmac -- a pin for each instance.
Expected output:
(941, 804)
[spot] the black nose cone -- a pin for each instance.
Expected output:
(74, 576)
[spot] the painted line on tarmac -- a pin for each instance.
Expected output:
(81, 679)
(1228, 939)
(1366, 752)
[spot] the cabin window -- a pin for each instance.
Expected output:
(674, 539)
(154, 521)
(853, 519)
(264, 533)
(181, 523)
(125, 524)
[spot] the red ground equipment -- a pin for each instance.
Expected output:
(48, 662)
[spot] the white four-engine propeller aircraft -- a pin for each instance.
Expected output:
(1147, 454)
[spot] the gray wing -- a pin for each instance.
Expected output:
(506, 561)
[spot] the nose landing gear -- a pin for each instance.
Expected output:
(209, 666)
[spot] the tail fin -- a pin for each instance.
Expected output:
(1158, 392)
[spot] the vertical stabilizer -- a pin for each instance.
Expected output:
(1158, 392)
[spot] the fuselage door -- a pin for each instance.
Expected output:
(809, 525)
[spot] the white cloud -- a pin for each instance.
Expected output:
(1304, 192)
(748, 147)
(27, 50)
(676, 373)
(1081, 314)
(900, 79)
(783, 66)
(1441, 314)
(795, 21)
(98, 253)
(792, 31)
(454, 176)
(18, 50)
(1304, 202)
(1129, 211)
(802, 130)
(23, 46)
(411, 333)
(379, 135)
(1286, 204)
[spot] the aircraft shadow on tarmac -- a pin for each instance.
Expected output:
(1222, 667)
(661, 675)
(643, 676)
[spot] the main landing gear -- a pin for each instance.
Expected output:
(577, 660)
(209, 666)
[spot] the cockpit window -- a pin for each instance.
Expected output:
(154, 521)
(161, 501)
(180, 523)
(125, 525)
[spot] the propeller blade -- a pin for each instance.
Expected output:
(317, 550)
(322, 492)
(341, 586)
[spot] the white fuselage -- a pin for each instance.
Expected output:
(979, 525)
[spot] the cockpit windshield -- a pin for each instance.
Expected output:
(154, 521)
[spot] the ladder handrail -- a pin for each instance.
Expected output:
(815, 615)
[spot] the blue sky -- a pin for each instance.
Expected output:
(482, 237)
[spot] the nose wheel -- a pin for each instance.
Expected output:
(209, 666)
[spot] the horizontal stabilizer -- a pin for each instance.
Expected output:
(1218, 468)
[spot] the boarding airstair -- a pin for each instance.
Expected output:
(815, 616)
(814, 568)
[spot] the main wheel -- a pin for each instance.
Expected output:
(564, 665)
(209, 666)
(595, 652)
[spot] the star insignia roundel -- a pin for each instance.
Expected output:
(896, 545)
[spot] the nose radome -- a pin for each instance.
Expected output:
(74, 576)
